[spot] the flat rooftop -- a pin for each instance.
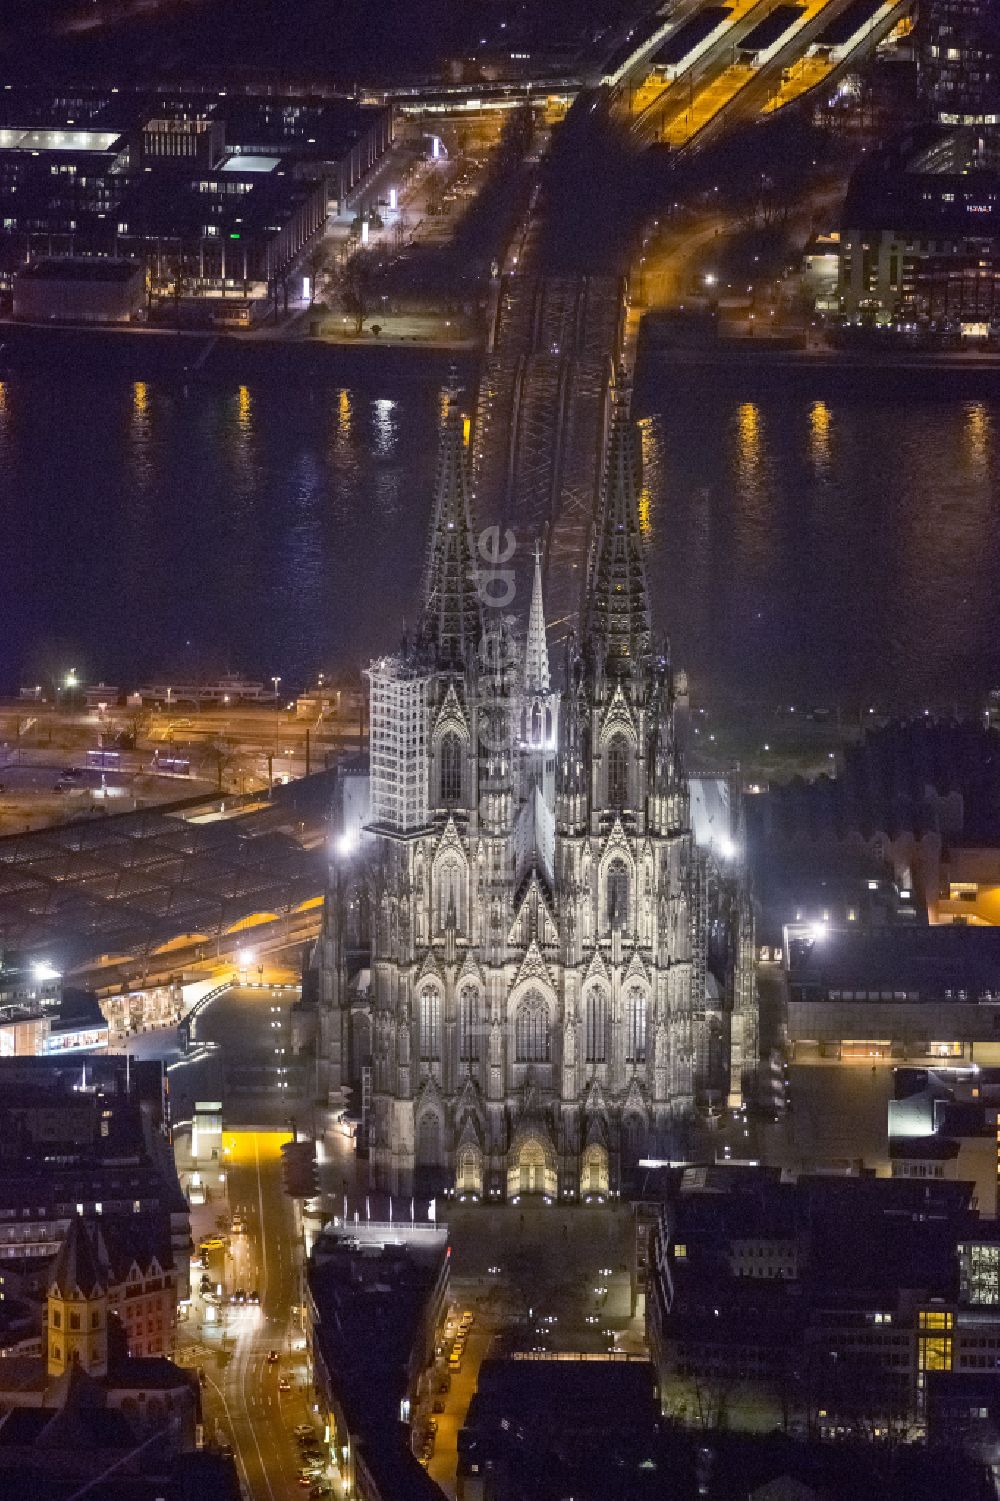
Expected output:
(27, 139)
(91, 268)
(111, 885)
(933, 962)
(247, 161)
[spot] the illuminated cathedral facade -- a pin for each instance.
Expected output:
(537, 933)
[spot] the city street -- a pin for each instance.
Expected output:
(231, 1342)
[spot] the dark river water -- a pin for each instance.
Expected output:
(817, 548)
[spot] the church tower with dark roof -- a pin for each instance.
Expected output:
(77, 1307)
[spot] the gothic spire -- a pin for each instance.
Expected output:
(617, 600)
(452, 619)
(536, 655)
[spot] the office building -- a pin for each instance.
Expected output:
(375, 1295)
(917, 992)
(827, 1300)
(186, 197)
(920, 235)
(960, 62)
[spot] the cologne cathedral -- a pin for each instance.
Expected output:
(536, 921)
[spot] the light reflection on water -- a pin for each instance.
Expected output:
(828, 550)
(799, 549)
(256, 528)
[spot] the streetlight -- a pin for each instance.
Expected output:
(276, 680)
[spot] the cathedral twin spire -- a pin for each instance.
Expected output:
(616, 617)
(452, 619)
(616, 605)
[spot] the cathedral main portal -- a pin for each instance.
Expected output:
(532, 1170)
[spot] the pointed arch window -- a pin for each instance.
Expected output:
(468, 1024)
(635, 1025)
(596, 1026)
(429, 1141)
(618, 894)
(430, 1026)
(633, 1139)
(450, 882)
(618, 757)
(531, 1030)
(450, 757)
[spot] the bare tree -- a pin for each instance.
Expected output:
(135, 726)
(219, 754)
(358, 287)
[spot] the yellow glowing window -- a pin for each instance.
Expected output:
(936, 1320)
(935, 1354)
(680, 1252)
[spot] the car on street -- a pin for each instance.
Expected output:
(284, 1385)
(211, 1243)
(272, 1356)
(253, 1297)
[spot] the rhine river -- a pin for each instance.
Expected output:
(821, 548)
